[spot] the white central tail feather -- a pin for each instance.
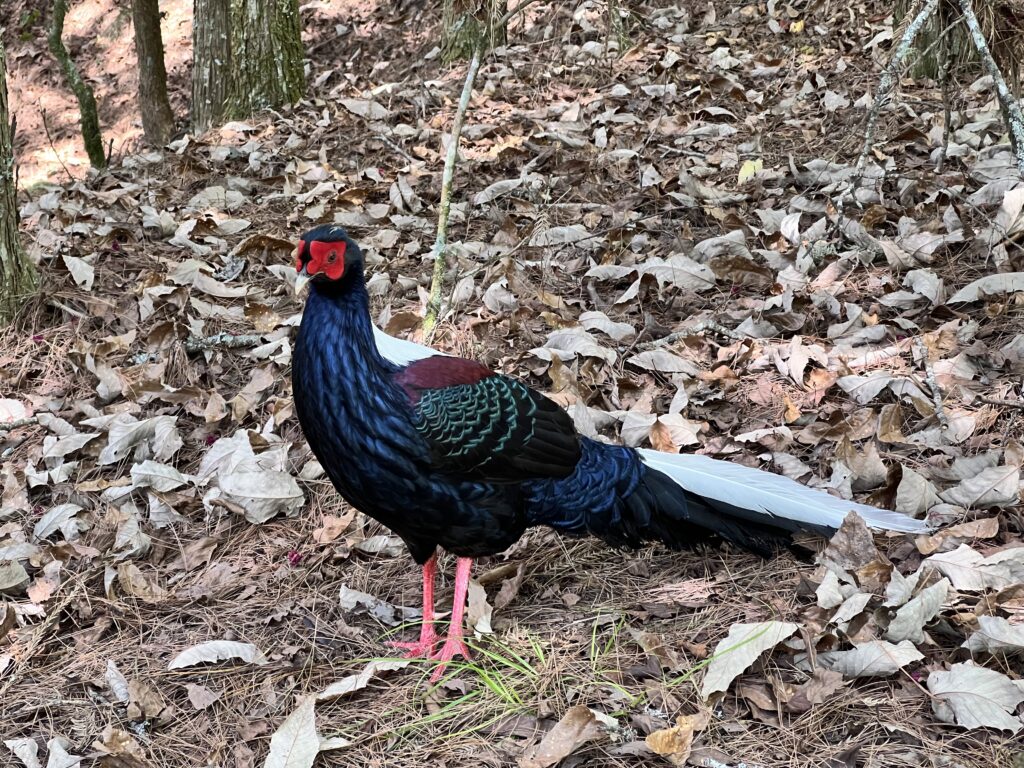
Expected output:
(771, 494)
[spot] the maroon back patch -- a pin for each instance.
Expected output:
(437, 372)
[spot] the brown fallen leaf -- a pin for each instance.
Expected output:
(137, 584)
(578, 726)
(8, 617)
(479, 610)
(822, 685)
(200, 696)
(654, 645)
(509, 589)
(120, 744)
(661, 438)
(852, 547)
(46, 583)
(333, 527)
(144, 703)
(952, 537)
(675, 743)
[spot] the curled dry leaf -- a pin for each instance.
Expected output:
(824, 683)
(135, 583)
(909, 621)
(13, 576)
(392, 615)
(676, 742)
(57, 755)
(996, 635)
(214, 651)
(295, 744)
(742, 647)
(578, 726)
(992, 487)
(360, 680)
(26, 750)
(951, 537)
(200, 696)
(262, 494)
(117, 683)
(479, 611)
(969, 571)
(975, 697)
(873, 659)
(990, 285)
(333, 527)
(851, 547)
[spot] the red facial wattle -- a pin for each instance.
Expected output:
(325, 258)
(300, 249)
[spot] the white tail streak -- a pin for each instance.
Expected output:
(771, 494)
(401, 351)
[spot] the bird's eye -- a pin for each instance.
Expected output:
(332, 257)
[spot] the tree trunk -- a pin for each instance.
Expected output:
(86, 101)
(211, 62)
(266, 56)
(470, 25)
(18, 278)
(157, 118)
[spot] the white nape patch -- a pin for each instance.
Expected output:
(770, 494)
(400, 351)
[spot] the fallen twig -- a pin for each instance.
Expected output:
(196, 344)
(1002, 403)
(885, 86)
(6, 426)
(1008, 105)
(694, 330)
(933, 385)
(440, 244)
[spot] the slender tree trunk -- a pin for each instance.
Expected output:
(91, 136)
(157, 117)
(266, 56)
(18, 278)
(471, 25)
(211, 62)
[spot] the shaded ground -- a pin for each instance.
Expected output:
(678, 181)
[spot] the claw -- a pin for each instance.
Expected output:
(452, 647)
(419, 649)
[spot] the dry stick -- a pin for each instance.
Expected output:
(947, 96)
(229, 341)
(1007, 104)
(440, 244)
(694, 330)
(6, 426)
(885, 86)
(933, 385)
(517, 9)
(1002, 403)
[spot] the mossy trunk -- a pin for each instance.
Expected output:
(471, 25)
(157, 117)
(91, 136)
(18, 277)
(266, 56)
(211, 62)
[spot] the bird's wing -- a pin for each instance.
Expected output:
(485, 426)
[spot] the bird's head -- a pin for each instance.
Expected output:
(326, 254)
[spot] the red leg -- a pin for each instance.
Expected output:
(453, 645)
(428, 635)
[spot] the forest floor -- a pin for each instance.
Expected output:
(673, 174)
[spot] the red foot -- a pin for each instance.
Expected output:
(452, 647)
(422, 648)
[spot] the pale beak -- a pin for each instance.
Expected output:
(300, 281)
